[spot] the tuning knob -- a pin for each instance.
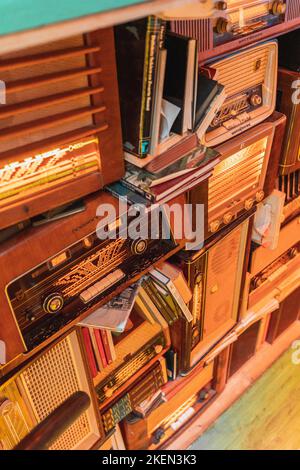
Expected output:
(108, 392)
(139, 246)
(278, 8)
(158, 435)
(221, 6)
(259, 196)
(158, 348)
(214, 226)
(255, 100)
(203, 395)
(223, 26)
(227, 218)
(53, 303)
(248, 204)
(293, 252)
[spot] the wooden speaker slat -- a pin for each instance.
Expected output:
(52, 142)
(47, 101)
(21, 85)
(38, 59)
(49, 121)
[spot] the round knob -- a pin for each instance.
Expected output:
(221, 6)
(255, 100)
(158, 435)
(158, 348)
(214, 226)
(223, 26)
(278, 8)
(257, 282)
(259, 196)
(53, 303)
(108, 392)
(248, 204)
(293, 252)
(30, 316)
(227, 218)
(139, 246)
(203, 395)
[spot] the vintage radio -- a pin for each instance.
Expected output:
(55, 274)
(185, 399)
(237, 23)
(288, 103)
(134, 350)
(114, 442)
(35, 391)
(60, 131)
(287, 313)
(245, 174)
(142, 389)
(249, 78)
(290, 185)
(275, 273)
(215, 275)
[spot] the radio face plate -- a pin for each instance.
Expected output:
(57, 291)
(249, 78)
(242, 18)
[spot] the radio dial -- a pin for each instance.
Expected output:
(255, 100)
(53, 303)
(278, 8)
(214, 226)
(248, 204)
(259, 196)
(221, 6)
(223, 26)
(227, 218)
(139, 246)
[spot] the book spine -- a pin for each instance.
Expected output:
(153, 39)
(95, 349)
(89, 351)
(185, 310)
(159, 302)
(100, 347)
(111, 345)
(131, 186)
(106, 346)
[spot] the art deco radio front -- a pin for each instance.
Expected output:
(246, 173)
(215, 275)
(237, 23)
(249, 78)
(58, 273)
(39, 388)
(60, 134)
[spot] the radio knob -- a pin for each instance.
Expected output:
(227, 218)
(30, 316)
(53, 303)
(108, 392)
(158, 435)
(248, 204)
(203, 395)
(158, 348)
(278, 8)
(223, 26)
(139, 246)
(259, 196)
(255, 100)
(214, 226)
(293, 252)
(221, 6)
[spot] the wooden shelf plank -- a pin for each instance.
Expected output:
(19, 29)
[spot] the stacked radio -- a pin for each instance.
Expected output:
(149, 233)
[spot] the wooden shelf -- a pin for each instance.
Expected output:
(53, 31)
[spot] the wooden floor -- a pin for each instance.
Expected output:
(267, 416)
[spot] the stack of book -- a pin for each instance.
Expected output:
(156, 110)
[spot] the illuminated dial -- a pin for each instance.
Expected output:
(53, 303)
